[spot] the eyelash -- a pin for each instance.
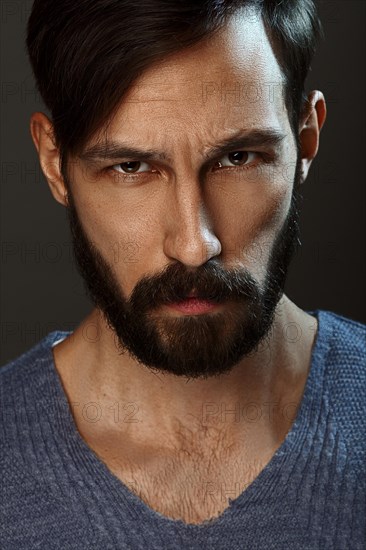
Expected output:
(133, 176)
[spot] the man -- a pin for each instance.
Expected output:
(196, 406)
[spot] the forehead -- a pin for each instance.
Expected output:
(229, 80)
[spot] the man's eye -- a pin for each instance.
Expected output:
(236, 158)
(131, 167)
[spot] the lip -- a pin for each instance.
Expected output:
(193, 306)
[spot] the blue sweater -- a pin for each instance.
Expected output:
(57, 494)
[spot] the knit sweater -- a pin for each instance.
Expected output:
(56, 493)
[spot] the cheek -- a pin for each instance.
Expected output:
(114, 230)
(111, 212)
(122, 240)
(251, 217)
(272, 216)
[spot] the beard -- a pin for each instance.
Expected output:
(191, 346)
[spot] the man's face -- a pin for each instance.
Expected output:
(149, 230)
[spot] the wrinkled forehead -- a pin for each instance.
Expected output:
(230, 79)
(237, 61)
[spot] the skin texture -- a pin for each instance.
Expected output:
(157, 429)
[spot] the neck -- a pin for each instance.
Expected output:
(263, 391)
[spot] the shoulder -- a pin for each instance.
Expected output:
(344, 348)
(340, 347)
(351, 333)
(346, 342)
(16, 366)
(25, 401)
(343, 342)
(23, 381)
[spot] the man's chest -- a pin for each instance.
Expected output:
(190, 488)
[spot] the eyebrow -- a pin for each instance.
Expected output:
(114, 150)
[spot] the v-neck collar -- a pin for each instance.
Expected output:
(270, 482)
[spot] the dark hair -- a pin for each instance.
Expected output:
(86, 54)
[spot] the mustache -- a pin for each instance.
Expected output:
(210, 281)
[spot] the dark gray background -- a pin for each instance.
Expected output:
(40, 288)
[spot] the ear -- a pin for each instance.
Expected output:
(311, 122)
(49, 157)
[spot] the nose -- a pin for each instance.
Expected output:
(189, 235)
